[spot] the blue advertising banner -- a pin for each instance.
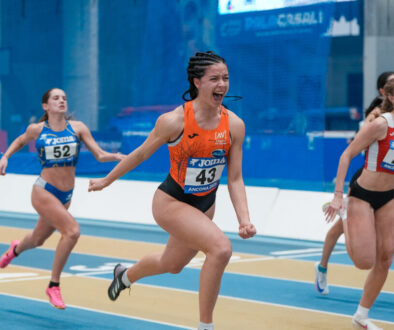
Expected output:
(279, 58)
(246, 27)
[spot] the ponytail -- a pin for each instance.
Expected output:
(377, 102)
(44, 117)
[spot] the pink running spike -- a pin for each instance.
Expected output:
(9, 255)
(55, 297)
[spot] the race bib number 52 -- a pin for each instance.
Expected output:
(61, 151)
(203, 174)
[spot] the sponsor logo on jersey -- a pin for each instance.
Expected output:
(220, 135)
(193, 161)
(192, 189)
(218, 153)
(58, 140)
(206, 162)
(68, 198)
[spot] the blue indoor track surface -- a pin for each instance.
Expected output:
(20, 312)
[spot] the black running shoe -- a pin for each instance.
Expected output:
(117, 284)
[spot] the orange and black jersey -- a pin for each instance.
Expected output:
(198, 156)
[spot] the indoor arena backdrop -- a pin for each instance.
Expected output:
(122, 63)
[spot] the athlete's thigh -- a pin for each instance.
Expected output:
(384, 222)
(186, 223)
(51, 210)
(360, 225)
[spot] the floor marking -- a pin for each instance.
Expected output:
(92, 274)
(196, 293)
(252, 260)
(38, 269)
(297, 251)
(262, 302)
(307, 255)
(16, 275)
(108, 266)
(46, 277)
(301, 253)
(233, 260)
(100, 311)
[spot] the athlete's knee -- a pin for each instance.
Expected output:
(384, 260)
(174, 268)
(73, 232)
(170, 265)
(222, 250)
(364, 262)
(363, 258)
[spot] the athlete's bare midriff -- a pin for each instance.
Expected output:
(63, 178)
(376, 181)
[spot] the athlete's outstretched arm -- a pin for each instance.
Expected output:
(235, 181)
(98, 153)
(32, 132)
(369, 133)
(164, 129)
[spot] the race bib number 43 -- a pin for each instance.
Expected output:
(61, 151)
(203, 174)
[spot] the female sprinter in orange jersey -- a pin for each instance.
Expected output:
(202, 136)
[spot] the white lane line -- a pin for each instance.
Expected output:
(16, 275)
(297, 251)
(19, 279)
(102, 312)
(308, 255)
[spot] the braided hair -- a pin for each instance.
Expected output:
(196, 69)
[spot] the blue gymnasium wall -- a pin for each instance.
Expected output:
(277, 61)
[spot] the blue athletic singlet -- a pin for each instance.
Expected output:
(58, 149)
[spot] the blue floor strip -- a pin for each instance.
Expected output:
(20, 313)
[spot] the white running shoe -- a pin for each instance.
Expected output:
(321, 280)
(361, 323)
(342, 212)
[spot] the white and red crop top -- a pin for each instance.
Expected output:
(380, 154)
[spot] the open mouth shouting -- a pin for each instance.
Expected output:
(218, 97)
